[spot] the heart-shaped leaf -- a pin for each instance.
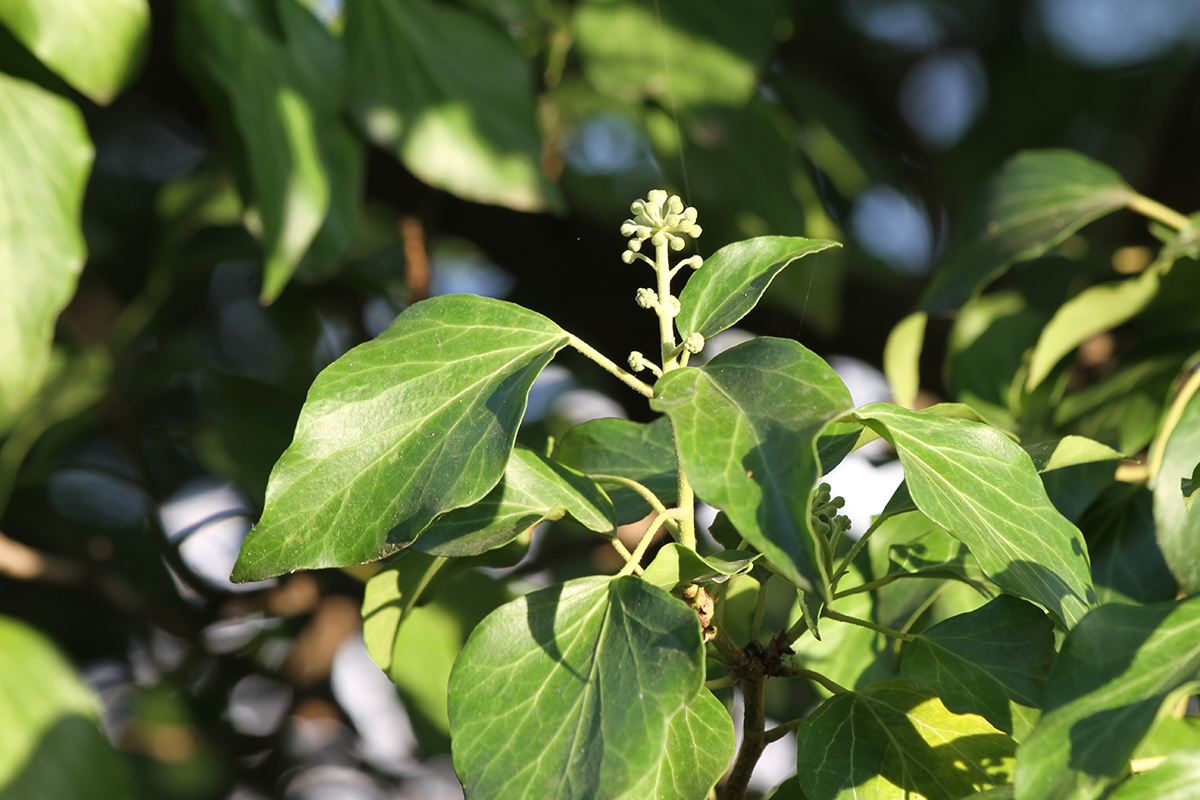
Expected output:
(534, 489)
(570, 691)
(982, 487)
(640, 451)
(1116, 670)
(889, 740)
(398, 431)
(746, 424)
(733, 279)
(993, 662)
(1038, 199)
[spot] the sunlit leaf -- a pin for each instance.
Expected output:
(1174, 779)
(700, 745)
(451, 95)
(1038, 199)
(747, 424)
(1178, 525)
(982, 487)
(534, 489)
(902, 355)
(889, 740)
(639, 451)
(399, 430)
(570, 691)
(733, 279)
(1116, 670)
(675, 564)
(52, 742)
(993, 662)
(45, 158)
(94, 45)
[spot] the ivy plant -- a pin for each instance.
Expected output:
(964, 645)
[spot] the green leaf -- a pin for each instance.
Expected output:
(1179, 526)
(1127, 564)
(746, 425)
(902, 355)
(451, 95)
(282, 89)
(94, 45)
(399, 430)
(733, 279)
(570, 691)
(1117, 669)
(1069, 451)
(982, 487)
(1038, 199)
(392, 593)
(45, 157)
(933, 553)
(436, 630)
(52, 745)
(700, 745)
(993, 662)
(1094, 310)
(534, 489)
(678, 52)
(890, 740)
(639, 451)
(1174, 779)
(1188, 486)
(676, 564)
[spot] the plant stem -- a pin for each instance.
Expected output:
(858, 545)
(647, 495)
(829, 612)
(799, 672)
(687, 503)
(1157, 211)
(779, 731)
(611, 368)
(1170, 420)
(754, 740)
(635, 560)
(666, 319)
(866, 587)
(760, 608)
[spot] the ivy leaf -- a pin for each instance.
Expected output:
(933, 554)
(746, 425)
(1037, 200)
(982, 487)
(1174, 779)
(570, 691)
(1127, 564)
(1069, 451)
(902, 355)
(889, 740)
(1117, 669)
(45, 158)
(94, 45)
(676, 564)
(282, 88)
(643, 452)
(399, 430)
(733, 279)
(993, 662)
(700, 745)
(1178, 525)
(451, 95)
(534, 489)
(53, 745)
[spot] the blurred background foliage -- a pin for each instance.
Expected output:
(204, 202)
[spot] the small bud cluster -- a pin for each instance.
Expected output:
(662, 220)
(825, 518)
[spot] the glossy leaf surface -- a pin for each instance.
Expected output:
(889, 740)
(399, 430)
(1174, 779)
(993, 662)
(1038, 199)
(451, 95)
(733, 279)
(747, 424)
(45, 158)
(94, 45)
(982, 487)
(1116, 670)
(639, 451)
(534, 489)
(52, 742)
(675, 564)
(1178, 525)
(570, 691)
(700, 745)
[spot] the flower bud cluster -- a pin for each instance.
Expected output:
(825, 519)
(662, 220)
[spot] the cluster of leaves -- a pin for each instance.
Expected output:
(596, 686)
